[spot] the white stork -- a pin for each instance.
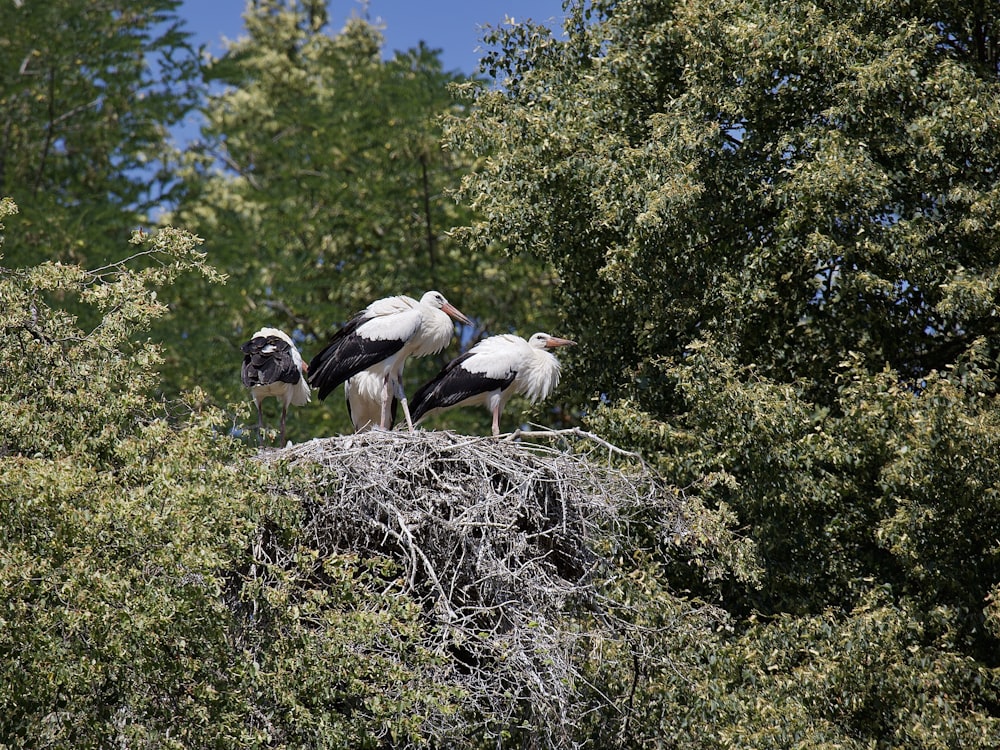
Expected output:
(490, 373)
(380, 338)
(272, 366)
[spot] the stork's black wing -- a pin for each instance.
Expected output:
(347, 354)
(453, 385)
(268, 359)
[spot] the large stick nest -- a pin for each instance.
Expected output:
(499, 540)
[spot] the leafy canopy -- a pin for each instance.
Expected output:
(139, 606)
(88, 92)
(775, 225)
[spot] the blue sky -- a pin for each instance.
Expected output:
(453, 26)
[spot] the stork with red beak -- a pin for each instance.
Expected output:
(490, 373)
(380, 338)
(272, 366)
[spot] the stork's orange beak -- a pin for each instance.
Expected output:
(554, 341)
(455, 313)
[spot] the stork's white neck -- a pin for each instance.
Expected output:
(538, 375)
(435, 332)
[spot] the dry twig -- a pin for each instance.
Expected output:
(499, 540)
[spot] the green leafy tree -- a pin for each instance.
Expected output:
(140, 607)
(775, 230)
(323, 185)
(87, 94)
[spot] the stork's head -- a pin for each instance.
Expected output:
(544, 341)
(437, 301)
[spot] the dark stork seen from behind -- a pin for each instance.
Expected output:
(272, 366)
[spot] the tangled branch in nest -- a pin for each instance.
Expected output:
(500, 541)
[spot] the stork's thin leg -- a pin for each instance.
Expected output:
(260, 423)
(284, 414)
(496, 420)
(401, 395)
(406, 412)
(385, 422)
